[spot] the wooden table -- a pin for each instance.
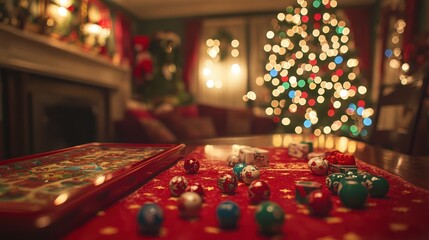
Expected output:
(413, 169)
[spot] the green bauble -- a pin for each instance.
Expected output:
(333, 180)
(352, 193)
(270, 217)
(363, 177)
(352, 173)
(378, 186)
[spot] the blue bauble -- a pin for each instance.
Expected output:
(228, 214)
(150, 218)
(237, 170)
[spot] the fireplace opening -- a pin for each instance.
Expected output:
(63, 115)
(69, 125)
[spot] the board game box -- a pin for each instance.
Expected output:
(57, 190)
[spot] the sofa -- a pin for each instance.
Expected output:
(184, 123)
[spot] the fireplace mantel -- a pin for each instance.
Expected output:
(34, 53)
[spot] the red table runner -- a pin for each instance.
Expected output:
(403, 214)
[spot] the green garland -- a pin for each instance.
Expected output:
(225, 38)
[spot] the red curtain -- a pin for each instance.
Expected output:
(122, 31)
(361, 23)
(411, 30)
(191, 46)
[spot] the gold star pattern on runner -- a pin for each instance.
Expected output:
(213, 230)
(288, 196)
(303, 211)
(351, 236)
(171, 207)
(163, 232)
(326, 238)
(401, 209)
(285, 190)
(109, 231)
(279, 165)
(343, 210)
(134, 206)
(396, 227)
(297, 166)
(332, 220)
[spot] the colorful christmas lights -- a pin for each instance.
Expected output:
(312, 73)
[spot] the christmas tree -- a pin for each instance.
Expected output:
(312, 73)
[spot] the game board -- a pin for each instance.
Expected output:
(41, 191)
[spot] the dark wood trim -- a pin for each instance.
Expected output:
(2, 126)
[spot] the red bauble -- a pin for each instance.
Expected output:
(191, 165)
(259, 191)
(319, 203)
(196, 188)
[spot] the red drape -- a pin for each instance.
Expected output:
(122, 31)
(361, 21)
(410, 31)
(191, 40)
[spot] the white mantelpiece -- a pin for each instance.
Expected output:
(34, 53)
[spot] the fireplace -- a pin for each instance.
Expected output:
(43, 113)
(65, 114)
(67, 124)
(55, 96)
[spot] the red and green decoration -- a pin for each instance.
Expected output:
(158, 71)
(312, 72)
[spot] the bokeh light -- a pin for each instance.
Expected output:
(312, 72)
